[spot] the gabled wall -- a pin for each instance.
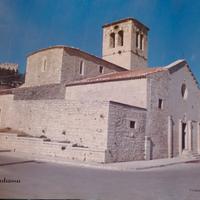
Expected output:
(167, 86)
(183, 109)
(35, 75)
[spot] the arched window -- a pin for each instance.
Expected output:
(137, 39)
(112, 40)
(121, 38)
(44, 64)
(141, 41)
(184, 91)
(81, 68)
(101, 69)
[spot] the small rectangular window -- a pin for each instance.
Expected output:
(160, 104)
(132, 124)
(101, 69)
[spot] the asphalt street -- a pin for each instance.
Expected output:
(59, 181)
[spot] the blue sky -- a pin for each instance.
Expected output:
(28, 25)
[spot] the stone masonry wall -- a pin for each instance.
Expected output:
(80, 123)
(40, 149)
(125, 143)
(43, 92)
(63, 65)
(167, 87)
(6, 109)
(157, 119)
(71, 66)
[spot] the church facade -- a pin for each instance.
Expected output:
(76, 106)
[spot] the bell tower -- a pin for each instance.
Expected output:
(125, 43)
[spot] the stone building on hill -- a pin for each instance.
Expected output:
(9, 76)
(76, 106)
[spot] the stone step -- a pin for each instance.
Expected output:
(190, 154)
(196, 155)
(5, 150)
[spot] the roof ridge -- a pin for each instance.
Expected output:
(176, 65)
(176, 62)
(117, 76)
(65, 47)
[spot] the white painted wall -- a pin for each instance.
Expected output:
(131, 92)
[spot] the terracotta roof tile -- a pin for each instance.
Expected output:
(131, 74)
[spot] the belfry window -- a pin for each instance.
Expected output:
(120, 38)
(81, 68)
(139, 40)
(112, 40)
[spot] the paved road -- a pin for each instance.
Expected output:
(54, 181)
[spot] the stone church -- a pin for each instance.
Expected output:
(76, 106)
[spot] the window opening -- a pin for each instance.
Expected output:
(120, 38)
(160, 104)
(81, 70)
(112, 40)
(132, 124)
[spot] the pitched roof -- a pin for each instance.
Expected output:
(126, 20)
(178, 64)
(116, 76)
(127, 105)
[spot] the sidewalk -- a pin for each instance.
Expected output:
(120, 166)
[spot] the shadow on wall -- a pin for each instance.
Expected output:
(149, 145)
(152, 145)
